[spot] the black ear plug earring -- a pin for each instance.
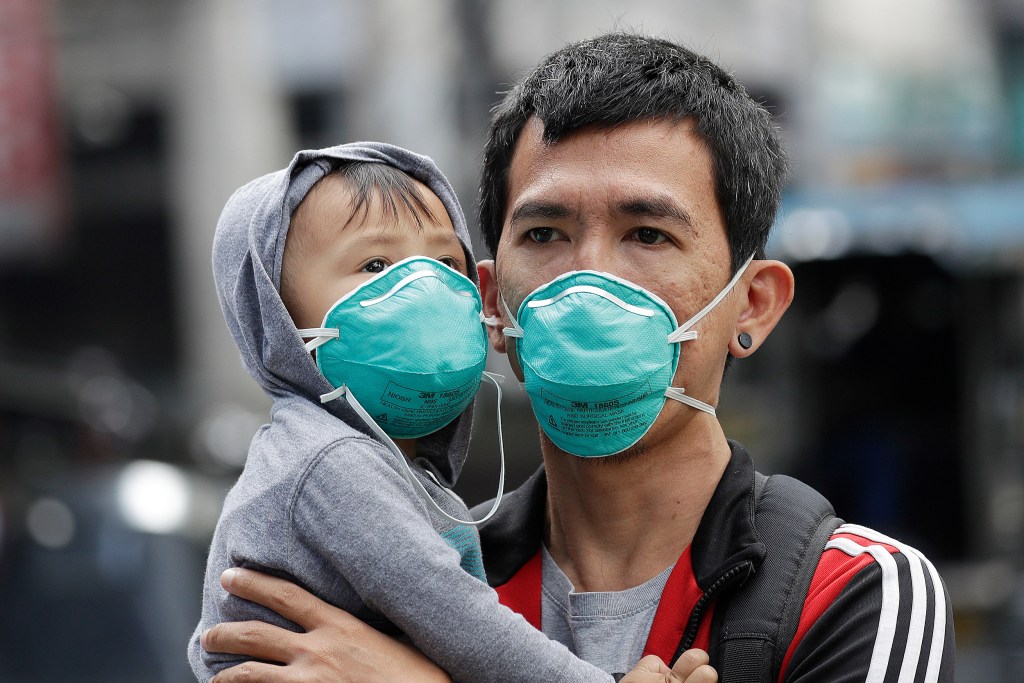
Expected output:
(745, 340)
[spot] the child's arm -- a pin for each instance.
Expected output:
(373, 530)
(338, 647)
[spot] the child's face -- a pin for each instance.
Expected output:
(325, 258)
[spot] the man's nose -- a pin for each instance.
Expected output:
(593, 252)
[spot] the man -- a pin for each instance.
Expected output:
(630, 170)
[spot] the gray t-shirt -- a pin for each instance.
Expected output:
(608, 630)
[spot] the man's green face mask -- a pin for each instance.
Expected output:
(598, 355)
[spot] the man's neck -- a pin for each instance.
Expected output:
(614, 524)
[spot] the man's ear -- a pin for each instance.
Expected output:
(768, 294)
(492, 306)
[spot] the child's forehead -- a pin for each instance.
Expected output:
(397, 204)
(336, 206)
(390, 229)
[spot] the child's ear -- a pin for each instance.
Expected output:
(769, 292)
(492, 308)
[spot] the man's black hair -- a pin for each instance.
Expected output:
(618, 78)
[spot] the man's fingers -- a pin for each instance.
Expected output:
(249, 638)
(650, 669)
(651, 664)
(251, 672)
(689, 662)
(281, 596)
(703, 674)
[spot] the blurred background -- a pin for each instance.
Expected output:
(895, 384)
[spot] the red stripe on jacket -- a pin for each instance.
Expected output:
(835, 571)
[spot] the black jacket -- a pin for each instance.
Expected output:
(867, 608)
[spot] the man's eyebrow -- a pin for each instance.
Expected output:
(532, 210)
(655, 207)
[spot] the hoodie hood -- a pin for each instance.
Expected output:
(248, 249)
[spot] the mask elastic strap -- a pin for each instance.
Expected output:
(515, 330)
(683, 332)
(321, 335)
(496, 380)
(393, 447)
(676, 394)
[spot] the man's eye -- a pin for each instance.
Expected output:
(650, 236)
(375, 266)
(541, 235)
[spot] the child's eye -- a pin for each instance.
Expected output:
(449, 261)
(375, 265)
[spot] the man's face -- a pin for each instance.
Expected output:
(637, 201)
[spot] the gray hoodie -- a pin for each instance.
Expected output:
(321, 501)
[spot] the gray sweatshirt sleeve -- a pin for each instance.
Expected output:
(373, 529)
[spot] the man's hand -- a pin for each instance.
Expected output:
(335, 647)
(691, 667)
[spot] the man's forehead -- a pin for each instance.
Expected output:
(531, 147)
(657, 167)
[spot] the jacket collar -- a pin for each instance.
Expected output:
(515, 533)
(725, 536)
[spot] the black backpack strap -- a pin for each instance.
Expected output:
(758, 622)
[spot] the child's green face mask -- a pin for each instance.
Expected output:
(408, 344)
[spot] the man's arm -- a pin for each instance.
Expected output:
(338, 647)
(334, 647)
(876, 610)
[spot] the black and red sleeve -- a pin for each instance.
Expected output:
(876, 611)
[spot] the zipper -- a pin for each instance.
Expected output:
(733, 576)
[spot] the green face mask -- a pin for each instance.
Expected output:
(408, 344)
(598, 355)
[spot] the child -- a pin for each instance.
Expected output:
(364, 248)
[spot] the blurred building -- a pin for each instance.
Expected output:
(895, 385)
